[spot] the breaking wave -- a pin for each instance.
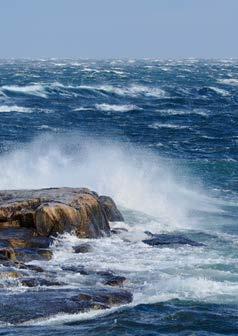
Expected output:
(14, 108)
(136, 179)
(33, 90)
(131, 91)
(157, 125)
(116, 108)
(229, 81)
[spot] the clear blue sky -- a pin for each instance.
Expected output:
(118, 28)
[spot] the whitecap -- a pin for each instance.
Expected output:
(222, 92)
(81, 109)
(34, 90)
(229, 81)
(47, 128)
(116, 108)
(14, 108)
(172, 112)
(172, 126)
(133, 90)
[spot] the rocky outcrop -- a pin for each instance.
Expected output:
(29, 222)
(57, 210)
(111, 210)
(30, 218)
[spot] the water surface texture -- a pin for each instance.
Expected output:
(161, 138)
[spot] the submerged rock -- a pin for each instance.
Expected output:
(34, 268)
(115, 280)
(105, 297)
(29, 254)
(75, 269)
(35, 304)
(34, 282)
(169, 239)
(110, 279)
(83, 248)
(118, 230)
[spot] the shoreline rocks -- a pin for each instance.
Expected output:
(30, 218)
(168, 239)
(29, 221)
(58, 210)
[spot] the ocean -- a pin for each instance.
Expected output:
(161, 138)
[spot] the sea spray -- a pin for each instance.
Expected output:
(135, 178)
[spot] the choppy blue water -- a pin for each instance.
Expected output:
(161, 138)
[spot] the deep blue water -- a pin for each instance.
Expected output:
(159, 136)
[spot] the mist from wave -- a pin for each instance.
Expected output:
(136, 179)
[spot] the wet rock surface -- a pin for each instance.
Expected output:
(110, 208)
(29, 224)
(30, 221)
(83, 248)
(57, 210)
(169, 240)
(44, 303)
(30, 218)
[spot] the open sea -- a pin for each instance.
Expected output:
(161, 138)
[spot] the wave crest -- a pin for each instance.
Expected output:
(116, 108)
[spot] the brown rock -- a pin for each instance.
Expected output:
(10, 275)
(55, 210)
(10, 224)
(52, 218)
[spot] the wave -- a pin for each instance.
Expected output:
(116, 108)
(81, 109)
(42, 90)
(172, 112)
(220, 91)
(34, 90)
(48, 128)
(136, 179)
(172, 126)
(14, 108)
(131, 91)
(229, 81)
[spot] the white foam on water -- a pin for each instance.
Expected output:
(77, 109)
(61, 318)
(131, 91)
(14, 108)
(48, 128)
(159, 201)
(158, 125)
(116, 108)
(34, 89)
(229, 81)
(220, 91)
(200, 112)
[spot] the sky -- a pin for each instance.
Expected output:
(118, 28)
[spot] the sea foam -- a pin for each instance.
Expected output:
(34, 90)
(116, 108)
(14, 108)
(134, 178)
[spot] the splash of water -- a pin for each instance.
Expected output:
(134, 178)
